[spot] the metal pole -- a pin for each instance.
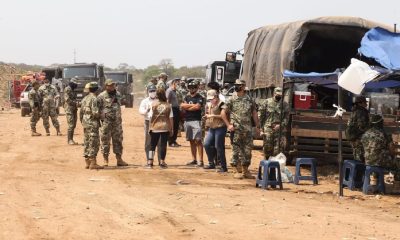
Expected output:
(395, 27)
(340, 157)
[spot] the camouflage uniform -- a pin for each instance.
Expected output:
(35, 104)
(376, 150)
(71, 108)
(270, 115)
(241, 113)
(48, 94)
(111, 128)
(90, 116)
(356, 126)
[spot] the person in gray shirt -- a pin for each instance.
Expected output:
(173, 100)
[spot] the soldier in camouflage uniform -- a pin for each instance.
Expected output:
(357, 125)
(162, 79)
(181, 93)
(49, 95)
(242, 110)
(89, 116)
(35, 103)
(111, 128)
(377, 146)
(152, 82)
(273, 120)
(71, 109)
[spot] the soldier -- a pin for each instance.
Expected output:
(357, 125)
(202, 88)
(377, 145)
(35, 103)
(49, 95)
(89, 116)
(162, 79)
(71, 108)
(242, 110)
(111, 128)
(273, 120)
(152, 82)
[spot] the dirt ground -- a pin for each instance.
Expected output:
(45, 193)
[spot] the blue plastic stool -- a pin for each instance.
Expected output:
(381, 178)
(267, 176)
(306, 161)
(353, 174)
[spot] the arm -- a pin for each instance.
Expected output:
(94, 105)
(224, 117)
(262, 111)
(144, 108)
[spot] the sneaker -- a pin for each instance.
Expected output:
(209, 167)
(193, 162)
(174, 145)
(201, 164)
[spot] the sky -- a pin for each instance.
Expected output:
(141, 33)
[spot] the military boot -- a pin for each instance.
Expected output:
(70, 138)
(35, 134)
(105, 159)
(47, 132)
(237, 171)
(120, 162)
(93, 164)
(246, 173)
(58, 131)
(87, 160)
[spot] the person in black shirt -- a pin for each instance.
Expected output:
(192, 105)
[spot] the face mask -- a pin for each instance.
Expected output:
(152, 95)
(238, 88)
(278, 98)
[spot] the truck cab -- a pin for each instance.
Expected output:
(224, 72)
(83, 73)
(124, 82)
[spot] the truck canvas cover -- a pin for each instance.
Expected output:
(321, 45)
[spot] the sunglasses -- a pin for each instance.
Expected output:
(152, 91)
(192, 87)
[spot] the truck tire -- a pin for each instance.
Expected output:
(129, 101)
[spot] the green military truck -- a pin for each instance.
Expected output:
(124, 82)
(83, 73)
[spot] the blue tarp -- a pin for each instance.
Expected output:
(383, 46)
(329, 80)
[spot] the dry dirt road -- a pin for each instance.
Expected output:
(45, 193)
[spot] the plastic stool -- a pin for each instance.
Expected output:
(306, 161)
(267, 174)
(381, 178)
(353, 174)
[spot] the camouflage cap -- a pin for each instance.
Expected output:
(151, 88)
(193, 83)
(278, 90)
(240, 82)
(73, 80)
(163, 74)
(183, 78)
(86, 89)
(109, 82)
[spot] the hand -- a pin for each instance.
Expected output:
(231, 128)
(277, 126)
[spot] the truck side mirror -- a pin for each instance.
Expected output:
(130, 78)
(230, 57)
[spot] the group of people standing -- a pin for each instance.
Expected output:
(209, 111)
(100, 116)
(370, 143)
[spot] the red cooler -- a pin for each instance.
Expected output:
(302, 100)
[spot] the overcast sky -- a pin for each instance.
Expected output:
(142, 32)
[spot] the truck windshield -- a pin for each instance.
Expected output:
(121, 78)
(70, 72)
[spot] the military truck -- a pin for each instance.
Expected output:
(224, 72)
(124, 82)
(83, 73)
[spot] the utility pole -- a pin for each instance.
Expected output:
(74, 55)
(395, 28)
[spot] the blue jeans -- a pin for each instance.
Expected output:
(215, 144)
